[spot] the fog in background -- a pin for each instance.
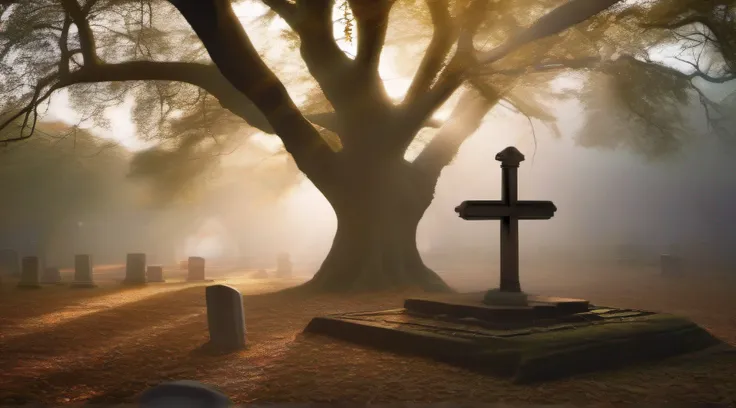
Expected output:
(254, 205)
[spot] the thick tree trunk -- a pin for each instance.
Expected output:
(375, 244)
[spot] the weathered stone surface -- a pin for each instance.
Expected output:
(195, 266)
(135, 269)
(183, 394)
(9, 263)
(51, 275)
(225, 318)
(83, 272)
(538, 349)
(155, 274)
(29, 273)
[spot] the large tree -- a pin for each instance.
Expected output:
(195, 73)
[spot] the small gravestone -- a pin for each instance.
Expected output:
(9, 263)
(283, 266)
(29, 273)
(135, 269)
(184, 393)
(260, 274)
(51, 275)
(83, 272)
(195, 266)
(225, 318)
(670, 265)
(155, 274)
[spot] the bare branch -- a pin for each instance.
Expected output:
(439, 47)
(86, 37)
(559, 19)
(231, 50)
(285, 10)
(372, 21)
(465, 119)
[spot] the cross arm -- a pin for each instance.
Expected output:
(497, 210)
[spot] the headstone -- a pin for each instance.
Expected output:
(225, 318)
(509, 210)
(29, 273)
(155, 274)
(51, 275)
(9, 263)
(195, 266)
(283, 266)
(135, 269)
(671, 265)
(185, 393)
(83, 272)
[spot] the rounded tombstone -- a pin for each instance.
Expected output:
(184, 394)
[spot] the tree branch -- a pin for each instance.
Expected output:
(372, 21)
(231, 50)
(439, 47)
(86, 37)
(454, 73)
(465, 119)
(569, 14)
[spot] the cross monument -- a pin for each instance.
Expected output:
(509, 210)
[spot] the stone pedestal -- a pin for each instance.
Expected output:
(29, 273)
(195, 267)
(135, 269)
(51, 275)
(225, 318)
(546, 339)
(155, 274)
(83, 272)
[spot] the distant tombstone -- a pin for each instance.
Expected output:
(195, 266)
(9, 263)
(183, 393)
(135, 269)
(29, 273)
(155, 274)
(670, 265)
(83, 272)
(51, 275)
(260, 274)
(225, 318)
(283, 266)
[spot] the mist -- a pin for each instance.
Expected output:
(256, 205)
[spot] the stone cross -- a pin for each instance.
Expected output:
(135, 269)
(509, 211)
(83, 272)
(29, 273)
(195, 267)
(155, 274)
(225, 318)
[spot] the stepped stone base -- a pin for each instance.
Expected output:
(547, 339)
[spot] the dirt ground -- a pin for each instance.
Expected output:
(60, 345)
